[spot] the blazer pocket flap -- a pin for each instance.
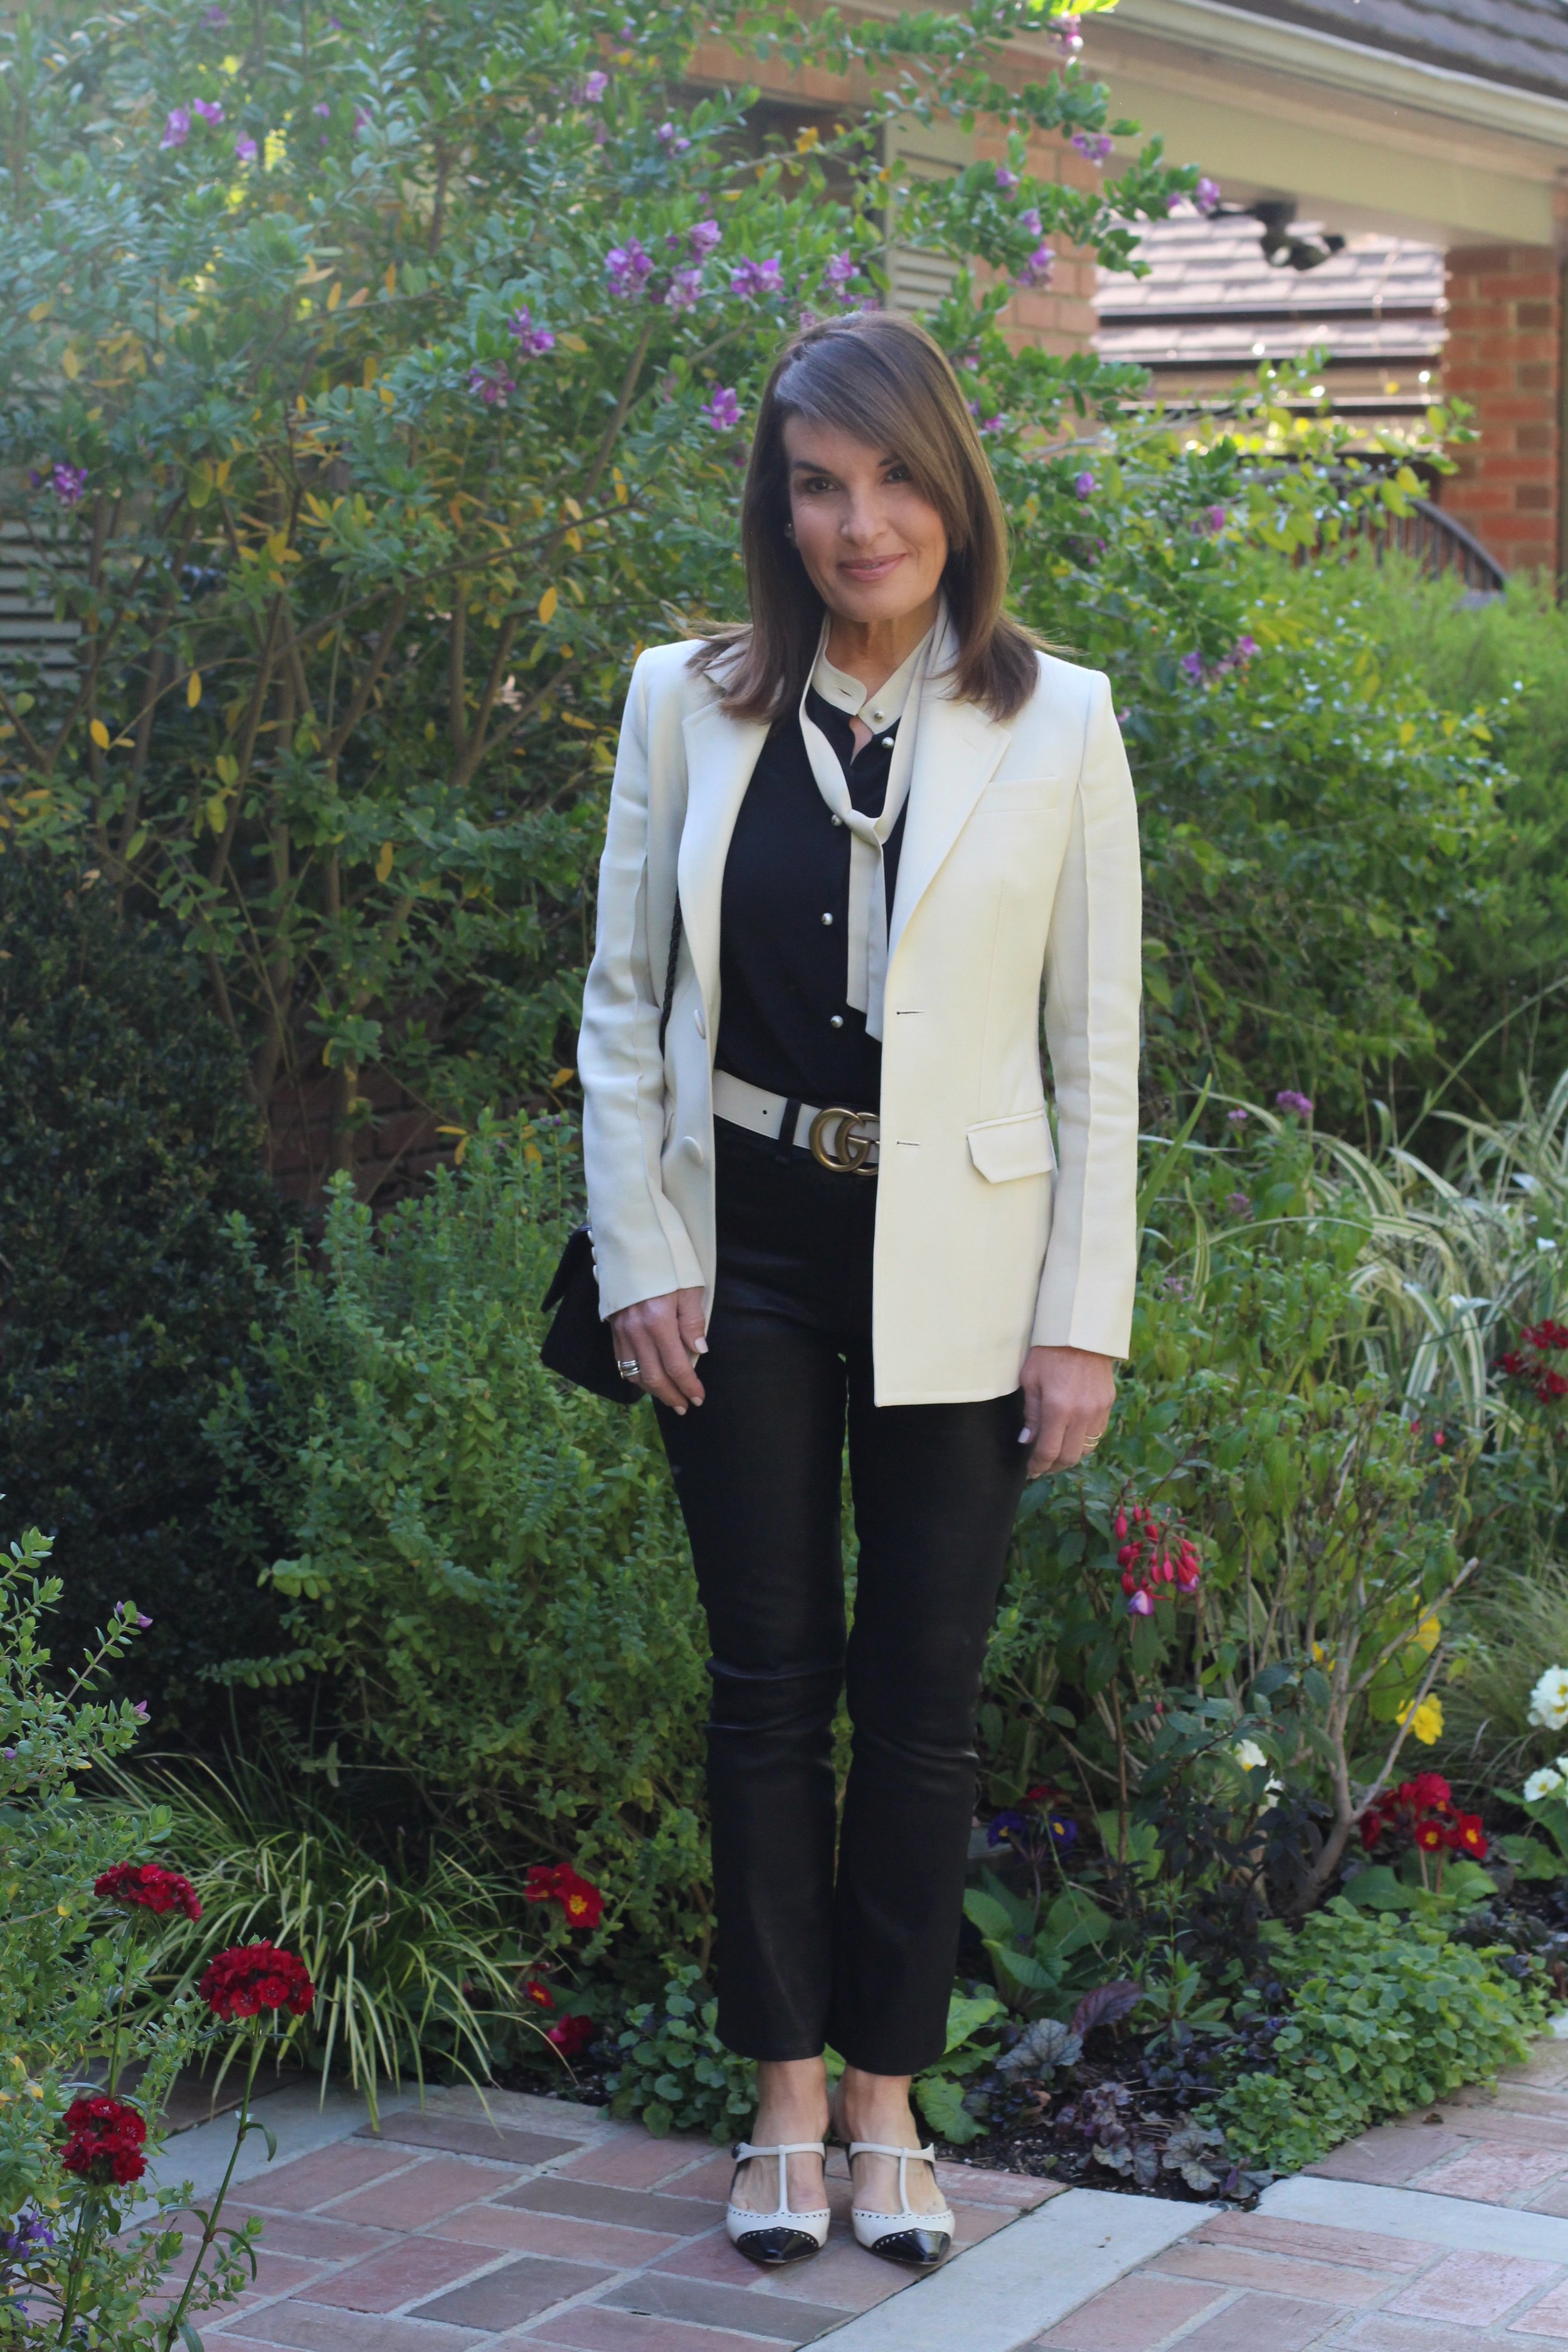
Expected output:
(1003, 1148)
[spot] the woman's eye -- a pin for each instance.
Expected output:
(898, 473)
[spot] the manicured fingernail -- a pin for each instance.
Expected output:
(1025, 1436)
(701, 1346)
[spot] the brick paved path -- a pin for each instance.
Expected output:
(1443, 2232)
(551, 2227)
(545, 2228)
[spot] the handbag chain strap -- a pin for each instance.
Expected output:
(675, 930)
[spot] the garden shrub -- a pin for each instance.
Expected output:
(487, 1566)
(1380, 2016)
(127, 1144)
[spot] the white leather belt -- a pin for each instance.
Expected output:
(835, 1137)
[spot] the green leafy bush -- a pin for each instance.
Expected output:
(73, 2011)
(675, 2074)
(487, 1567)
(1381, 2016)
(127, 1145)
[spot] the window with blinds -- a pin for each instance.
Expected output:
(912, 150)
(29, 631)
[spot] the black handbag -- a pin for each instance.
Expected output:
(579, 1344)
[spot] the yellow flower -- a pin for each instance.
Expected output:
(1425, 1721)
(1428, 1632)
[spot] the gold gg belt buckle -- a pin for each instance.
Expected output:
(853, 1145)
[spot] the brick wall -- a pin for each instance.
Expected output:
(1504, 355)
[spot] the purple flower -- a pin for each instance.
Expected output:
(1095, 145)
(1061, 1830)
(245, 147)
(1237, 1118)
(1238, 1205)
(217, 17)
(840, 268)
(1244, 649)
(593, 89)
(491, 385)
(1211, 519)
(323, 108)
(754, 278)
(627, 267)
(1140, 1603)
(140, 1711)
(1084, 485)
(992, 423)
(361, 121)
(1288, 1099)
(1005, 1824)
(1176, 1283)
(685, 290)
(531, 340)
(721, 409)
(704, 237)
(1005, 180)
(32, 2234)
(177, 129)
(1039, 269)
(1205, 195)
(1031, 221)
(670, 138)
(1065, 31)
(209, 109)
(67, 483)
(1192, 664)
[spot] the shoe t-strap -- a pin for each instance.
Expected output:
(783, 2149)
(880, 2147)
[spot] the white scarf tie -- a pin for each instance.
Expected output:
(867, 942)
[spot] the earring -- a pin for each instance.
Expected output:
(789, 532)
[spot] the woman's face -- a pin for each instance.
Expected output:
(873, 547)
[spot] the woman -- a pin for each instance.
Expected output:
(846, 844)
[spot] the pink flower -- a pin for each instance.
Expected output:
(1065, 31)
(1211, 519)
(1205, 195)
(1031, 221)
(1005, 180)
(1039, 269)
(1287, 1100)
(491, 385)
(593, 89)
(721, 409)
(627, 267)
(321, 108)
(685, 290)
(1140, 1603)
(755, 279)
(1084, 485)
(209, 109)
(177, 129)
(530, 340)
(668, 137)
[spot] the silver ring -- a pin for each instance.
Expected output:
(630, 1371)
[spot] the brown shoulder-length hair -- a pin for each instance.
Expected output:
(883, 379)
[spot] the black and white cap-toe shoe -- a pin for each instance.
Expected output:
(918, 2240)
(780, 2237)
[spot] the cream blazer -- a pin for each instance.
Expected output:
(1019, 867)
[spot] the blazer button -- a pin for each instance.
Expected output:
(692, 1149)
(701, 1024)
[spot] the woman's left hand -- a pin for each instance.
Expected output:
(1067, 1397)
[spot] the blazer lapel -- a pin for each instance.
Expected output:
(721, 753)
(957, 752)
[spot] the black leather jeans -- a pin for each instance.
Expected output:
(863, 1962)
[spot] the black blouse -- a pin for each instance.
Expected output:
(783, 1024)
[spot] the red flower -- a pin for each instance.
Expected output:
(148, 1886)
(1551, 1386)
(1466, 1835)
(255, 1980)
(1429, 1836)
(1548, 1336)
(538, 1993)
(104, 2140)
(558, 1883)
(1428, 1789)
(571, 2035)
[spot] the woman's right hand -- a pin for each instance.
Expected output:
(665, 1338)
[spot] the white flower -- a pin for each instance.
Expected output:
(1249, 1755)
(1544, 1783)
(1549, 1699)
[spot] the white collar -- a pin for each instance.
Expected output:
(882, 709)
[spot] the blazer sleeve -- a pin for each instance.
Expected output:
(640, 1241)
(1093, 987)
